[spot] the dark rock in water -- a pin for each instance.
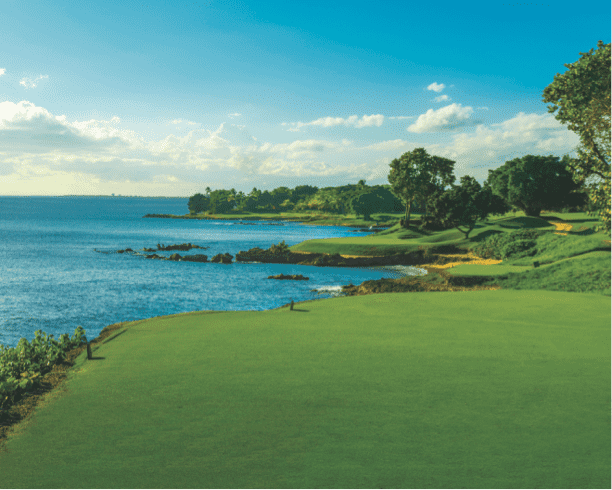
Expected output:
(154, 256)
(128, 250)
(295, 277)
(183, 247)
(222, 258)
(268, 256)
(175, 257)
(195, 258)
(148, 249)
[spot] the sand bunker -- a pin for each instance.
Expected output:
(562, 227)
(460, 259)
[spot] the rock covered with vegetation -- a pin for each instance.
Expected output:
(222, 258)
(295, 277)
(184, 247)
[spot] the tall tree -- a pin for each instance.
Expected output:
(533, 183)
(414, 174)
(581, 96)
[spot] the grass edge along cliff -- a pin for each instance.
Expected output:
(558, 251)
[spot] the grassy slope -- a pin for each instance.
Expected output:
(379, 391)
(340, 399)
(574, 262)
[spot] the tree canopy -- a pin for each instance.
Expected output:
(463, 205)
(221, 201)
(581, 99)
(533, 183)
(416, 173)
(377, 199)
(198, 203)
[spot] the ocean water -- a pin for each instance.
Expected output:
(52, 279)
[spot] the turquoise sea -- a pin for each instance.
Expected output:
(51, 279)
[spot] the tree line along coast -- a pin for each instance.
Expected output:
(423, 184)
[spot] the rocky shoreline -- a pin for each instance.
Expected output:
(432, 264)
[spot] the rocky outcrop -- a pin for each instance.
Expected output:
(184, 247)
(295, 277)
(335, 260)
(222, 258)
(195, 258)
(435, 280)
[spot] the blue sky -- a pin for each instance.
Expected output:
(168, 98)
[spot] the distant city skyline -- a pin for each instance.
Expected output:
(168, 98)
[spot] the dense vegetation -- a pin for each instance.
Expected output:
(359, 199)
(425, 184)
(22, 367)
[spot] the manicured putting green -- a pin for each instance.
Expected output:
(485, 389)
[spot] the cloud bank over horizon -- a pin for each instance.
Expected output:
(40, 151)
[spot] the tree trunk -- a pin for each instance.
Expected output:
(407, 218)
(533, 211)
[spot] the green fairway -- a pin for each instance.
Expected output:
(487, 389)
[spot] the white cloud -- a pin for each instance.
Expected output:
(401, 117)
(448, 118)
(326, 122)
(27, 128)
(373, 120)
(235, 114)
(442, 98)
(524, 134)
(2, 71)
(41, 153)
(29, 83)
(436, 87)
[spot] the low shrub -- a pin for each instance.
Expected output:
(520, 243)
(21, 367)
(518, 249)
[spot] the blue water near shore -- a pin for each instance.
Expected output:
(51, 279)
